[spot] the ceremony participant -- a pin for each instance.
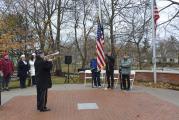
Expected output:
(43, 67)
(32, 68)
(95, 73)
(7, 70)
(125, 71)
(110, 70)
(1, 74)
(23, 68)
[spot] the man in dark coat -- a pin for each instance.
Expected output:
(23, 68)
(110, 70)
(43, 77)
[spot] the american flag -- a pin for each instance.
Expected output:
(156, 14)
(100, 46)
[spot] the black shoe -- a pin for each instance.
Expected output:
(44, 110)
(108, 87)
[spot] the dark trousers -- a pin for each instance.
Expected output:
(41, 98)
(23, 81)
(33, 80)
(124, 79)
(5, 81)
(110, 78)
(29, 81)
(96, 78)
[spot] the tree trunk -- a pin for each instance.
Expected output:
(76, 39)
(58, 64)
(84, 49)
(139, 57)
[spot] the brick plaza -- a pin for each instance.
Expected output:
(113, 105)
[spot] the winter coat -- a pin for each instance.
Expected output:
(109, 63)
(22, 69)
(32, 67)
(7, 67)
(42, 73)
(0, 65)
(93, 64)
(125, 66)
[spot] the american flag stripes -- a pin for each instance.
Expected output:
(100, 46)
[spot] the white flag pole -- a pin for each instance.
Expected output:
(99, 10)
(153, 43)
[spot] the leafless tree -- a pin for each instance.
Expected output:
(111, 11)
(83, 20)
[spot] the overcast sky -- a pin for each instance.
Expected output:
(164, 16)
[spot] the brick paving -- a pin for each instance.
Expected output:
(113, 105)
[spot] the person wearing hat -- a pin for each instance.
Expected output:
(23, 68)
(32, 68)
(7, 70)
(43, 77)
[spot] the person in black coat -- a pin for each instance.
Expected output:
(23, 68)
(110, 70)
(43, 77)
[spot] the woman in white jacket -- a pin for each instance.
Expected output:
(32, 68)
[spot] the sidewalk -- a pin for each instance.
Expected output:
(7, 95)
(171, 96)
(139, 104)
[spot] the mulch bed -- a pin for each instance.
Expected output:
(157, 85)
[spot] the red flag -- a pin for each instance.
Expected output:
(100, 46)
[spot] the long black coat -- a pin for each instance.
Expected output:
(110, 60)
(22, 69)
(42, 72)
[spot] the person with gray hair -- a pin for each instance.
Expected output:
(23, 68)
(125, 69)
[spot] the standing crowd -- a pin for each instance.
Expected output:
(38, 67)
(124, 71)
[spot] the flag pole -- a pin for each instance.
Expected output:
(153, 43)
(99, 10)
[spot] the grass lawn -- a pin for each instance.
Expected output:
(55, 80)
